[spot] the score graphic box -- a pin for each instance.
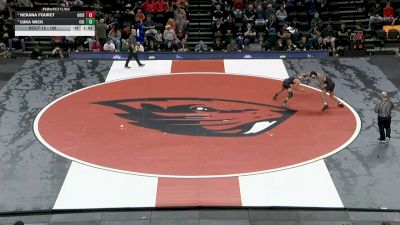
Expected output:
(57, 23)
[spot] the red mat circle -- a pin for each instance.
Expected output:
(90, 133)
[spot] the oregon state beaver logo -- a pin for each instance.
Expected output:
(202, 117)
(193, 125)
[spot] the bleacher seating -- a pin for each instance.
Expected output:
(336, 12)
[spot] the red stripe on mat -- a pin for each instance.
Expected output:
(181, 66)
(198, 192)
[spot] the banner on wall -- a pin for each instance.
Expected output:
(211, 55)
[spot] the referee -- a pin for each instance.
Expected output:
(384, 110)
(133, 49)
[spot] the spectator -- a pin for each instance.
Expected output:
(265, 45)
(171, 23)
(181, 22)
(319, 44)
(101, 31)
(316, 21)
(290, 46)
(227, 7)
(218, 28)
(218, 13)
(269, 11)
(140, 15)
(115, 36)
(240, 39)
(179, 13)
(279, 45)
(375, 14)
(217, 45)
(97, 47)
(109, 46)
(181, 35)
(228, 36)
(160, 6)
(284, 33)
(257, 3)
(124, 45)
(281, 15)
(150, 45)
(232, 46)
(229, 24)
(303, 44)
(201, 46)
(149, 26)
(329, 38)
(249, 14)
(88, 43)
(295, 26)
(139, 30)
(388, 13)
(315, 34)
(249, 35)
(170, 38)
(148, 6)
(126, 32)
(158, 38)
(343, 39)
(237, 8)
(259, 16)
(272, 24)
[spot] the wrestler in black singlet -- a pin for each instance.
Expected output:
(330, 85)
(288, 81)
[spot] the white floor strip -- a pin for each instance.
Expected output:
(88, 187)
(306, 186)
(152, 67)
(273, 68)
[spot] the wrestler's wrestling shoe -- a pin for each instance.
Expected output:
(340, 105)
(325, 107)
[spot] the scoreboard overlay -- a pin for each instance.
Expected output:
(55, 23)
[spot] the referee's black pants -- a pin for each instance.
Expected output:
(134, 55)
(384, 125)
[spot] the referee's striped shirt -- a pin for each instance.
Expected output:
(384, 108)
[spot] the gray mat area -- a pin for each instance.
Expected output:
(365, 172)
(30, 175)
(211, 217)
